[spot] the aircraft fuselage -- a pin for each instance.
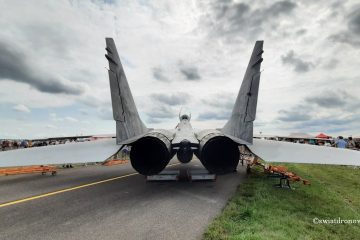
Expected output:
(185, 141)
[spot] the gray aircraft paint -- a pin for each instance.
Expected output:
(243, 115)
(183, 141)
(184, 131)
(128, 122)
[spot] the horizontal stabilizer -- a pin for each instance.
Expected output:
(276, 151)
(93, 151)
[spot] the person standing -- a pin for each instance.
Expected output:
(351, 143)
(340, 142)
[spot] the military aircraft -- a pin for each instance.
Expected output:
(152, 149)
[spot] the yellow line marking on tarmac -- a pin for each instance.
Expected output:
(68, 189)
(63, 190)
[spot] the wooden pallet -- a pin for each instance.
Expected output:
(114, 162)
(27, 170)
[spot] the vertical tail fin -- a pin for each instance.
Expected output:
(128, 122)
(240, 125)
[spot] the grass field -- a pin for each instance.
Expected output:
(259, 211)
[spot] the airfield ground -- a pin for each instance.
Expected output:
(259, 211)
(124, 206)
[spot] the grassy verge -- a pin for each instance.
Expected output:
(259, 211)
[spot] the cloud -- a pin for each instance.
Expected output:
(55, 118)
(171, 99)
(293, 115)
(331, 64)
(15, 66)
(327, 106)
(279, 8)
(106, 113)
(301, 32)
(345, 37)
(338, 100)
(299, 65)
(159, 113)
(158, 74)
(224, 100)
(70, 119)
(50, 126)
(325, 122)
(190, 73)
(329, 111)
(354, 22)
(154, 120)
(219, 106)
(179, 70)
(214, 115)
(329, 99)
(228, 18)
(332, 124)
(109, 1)
(84, 111)
(157, 40)
(21, 108)
(351, 35)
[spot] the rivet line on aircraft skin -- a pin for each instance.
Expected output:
(69, 189)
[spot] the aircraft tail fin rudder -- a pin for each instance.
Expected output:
(240, 125)
(128, 122)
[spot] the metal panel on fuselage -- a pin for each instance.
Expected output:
(184, 131)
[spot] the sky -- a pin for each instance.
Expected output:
(178, 54)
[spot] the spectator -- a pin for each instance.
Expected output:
(357, 144)
(24, 144)
(340, 142)
(351, 143)
(125, 152)
(5, 145)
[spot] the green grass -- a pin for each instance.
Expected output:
(259, 211)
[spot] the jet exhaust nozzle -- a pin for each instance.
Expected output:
(150, 154)
(219, 154)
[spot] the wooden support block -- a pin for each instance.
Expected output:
(27, 170)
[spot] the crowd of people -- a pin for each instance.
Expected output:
(16, 144)
(339, 142)
(350, 143)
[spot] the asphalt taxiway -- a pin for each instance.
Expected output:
(97, 202)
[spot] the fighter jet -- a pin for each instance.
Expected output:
(152, 149)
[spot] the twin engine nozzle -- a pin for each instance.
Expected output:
(151, 154)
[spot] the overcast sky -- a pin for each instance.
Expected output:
(191, 54)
